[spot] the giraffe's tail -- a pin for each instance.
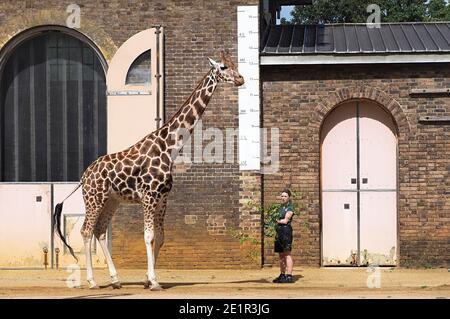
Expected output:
(57, 223)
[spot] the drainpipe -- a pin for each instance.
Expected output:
(158, 77)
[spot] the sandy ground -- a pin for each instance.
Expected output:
(234, 284)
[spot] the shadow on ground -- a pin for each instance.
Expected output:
(169, 285)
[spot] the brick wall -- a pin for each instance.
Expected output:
(203, 207)
(296, 100)
(207, 203)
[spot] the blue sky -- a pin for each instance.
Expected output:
(285, 11)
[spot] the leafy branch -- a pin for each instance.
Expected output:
(271, 214)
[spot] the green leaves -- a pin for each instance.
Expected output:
(355, 11)
(271, 214)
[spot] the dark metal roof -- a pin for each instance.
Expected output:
(356, 38)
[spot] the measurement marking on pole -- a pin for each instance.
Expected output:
(248, 59)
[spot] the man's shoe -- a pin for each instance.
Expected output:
(288, 279)
(279, 279)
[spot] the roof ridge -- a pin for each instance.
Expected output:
(364, 23)
(390, 38)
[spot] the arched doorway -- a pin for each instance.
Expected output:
(53, 124)
(52, 108)
(359, 185)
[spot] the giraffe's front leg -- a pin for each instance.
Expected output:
(150, 203)
(149, 237)
(159, 225)
(154, 238)
(158, 242)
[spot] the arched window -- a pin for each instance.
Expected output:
(139, 72)
(52, 110)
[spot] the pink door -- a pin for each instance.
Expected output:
(378, 186)
(339, 227)
(339, 200)
(339, 149)
(358, 180)
(378, 228)
(25, 228)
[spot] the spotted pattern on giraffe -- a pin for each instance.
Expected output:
(142, 173)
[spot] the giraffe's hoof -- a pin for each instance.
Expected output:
(146, 284)
(156, 287)
(92, 284)
(116, 285)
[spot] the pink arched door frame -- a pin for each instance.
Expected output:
(359, 186)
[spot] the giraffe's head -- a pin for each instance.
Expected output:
(226, 70)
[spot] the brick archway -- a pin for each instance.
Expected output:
(360, 92)
(15, 25)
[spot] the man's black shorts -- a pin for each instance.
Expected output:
(283, 239)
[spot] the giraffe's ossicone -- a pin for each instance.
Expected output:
(142, 174)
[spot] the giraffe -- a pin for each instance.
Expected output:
(142, 174)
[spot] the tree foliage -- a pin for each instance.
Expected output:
(355, 11)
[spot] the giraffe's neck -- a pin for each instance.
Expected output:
(186, 118)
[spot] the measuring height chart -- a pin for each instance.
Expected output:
(248, 59)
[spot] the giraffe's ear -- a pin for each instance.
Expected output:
(213, 63)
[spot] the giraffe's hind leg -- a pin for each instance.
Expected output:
(94, 207)
(100, 233)
(86, 232)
